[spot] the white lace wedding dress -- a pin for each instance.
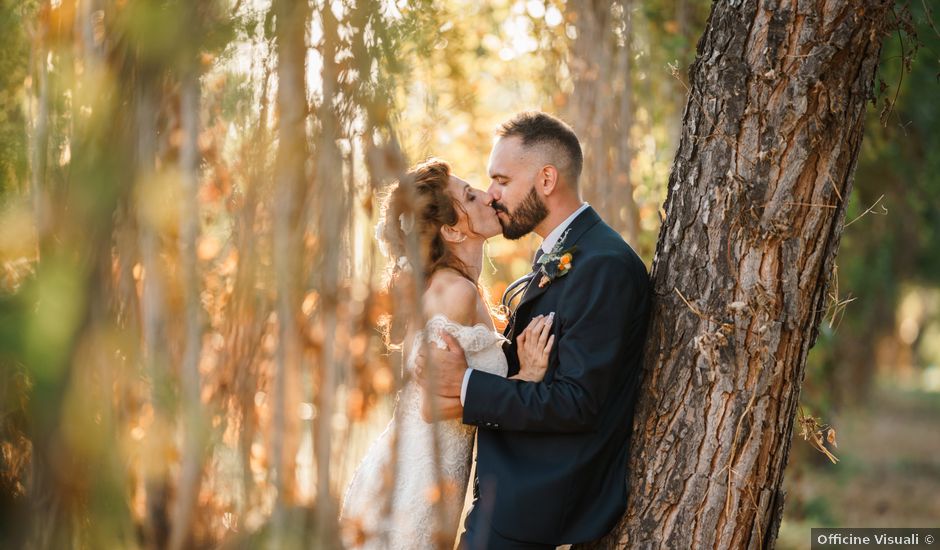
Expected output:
(402, 513)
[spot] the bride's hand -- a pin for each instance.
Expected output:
(533, 346)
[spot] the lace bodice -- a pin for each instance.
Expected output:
(482, 344)
(411, 522)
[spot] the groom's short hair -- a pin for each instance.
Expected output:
(538, 128)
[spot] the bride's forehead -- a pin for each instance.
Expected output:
(458, 184)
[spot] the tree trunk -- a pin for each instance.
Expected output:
(624, 183)
(329, 260)
(39, 134)
(190, 475)
(155, 340)
(292, 17)
(755, 209)
(600, 108)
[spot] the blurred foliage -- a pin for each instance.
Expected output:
(13, 65)
(888, 248)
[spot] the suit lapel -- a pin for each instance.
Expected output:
(533, 291)
(579, 226)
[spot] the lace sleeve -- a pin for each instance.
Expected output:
(471, 339)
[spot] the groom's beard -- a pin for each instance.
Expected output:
(528, 215)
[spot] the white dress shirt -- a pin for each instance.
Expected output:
(547, 244)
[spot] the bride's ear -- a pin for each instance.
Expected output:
(453, 235)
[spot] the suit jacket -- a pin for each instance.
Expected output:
(552, 456)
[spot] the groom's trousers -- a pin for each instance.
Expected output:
(479, 533)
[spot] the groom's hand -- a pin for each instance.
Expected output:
(449, 366)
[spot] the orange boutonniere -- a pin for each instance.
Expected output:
(555, 265)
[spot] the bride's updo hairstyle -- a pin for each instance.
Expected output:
(409, 234)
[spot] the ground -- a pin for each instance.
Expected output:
(888, 474)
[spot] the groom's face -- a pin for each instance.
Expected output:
(513, 174)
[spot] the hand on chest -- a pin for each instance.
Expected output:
(536, 301)
(526, 314)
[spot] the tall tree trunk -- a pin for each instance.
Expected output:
(755, 209)
(245, 326)
(39, 135)
(600, 107)
(155, 341)
(192, 418)
(292, 17)
(330, 222)
(629, 215)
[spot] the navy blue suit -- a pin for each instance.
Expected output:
(552, 456)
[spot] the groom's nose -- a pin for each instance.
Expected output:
(492, 193)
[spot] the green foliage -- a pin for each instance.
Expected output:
(14, 59)
(901, 158)
(172, 32)
(884, 250)
(818, 510)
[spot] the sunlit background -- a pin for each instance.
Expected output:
(140, 334)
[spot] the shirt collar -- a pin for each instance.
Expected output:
(552, 238)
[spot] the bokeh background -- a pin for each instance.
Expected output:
(151, 390)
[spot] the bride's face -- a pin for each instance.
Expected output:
(477, 217)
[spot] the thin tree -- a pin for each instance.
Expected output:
(330, 223)
(192, 418)
(291, 23)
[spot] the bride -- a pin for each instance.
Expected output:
(396, 498)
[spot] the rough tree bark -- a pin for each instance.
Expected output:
(755, 209)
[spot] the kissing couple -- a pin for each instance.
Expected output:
(550, 400)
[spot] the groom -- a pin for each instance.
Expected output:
(552, 455)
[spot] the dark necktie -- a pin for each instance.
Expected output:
(535, 261)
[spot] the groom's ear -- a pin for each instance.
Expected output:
(548, 179)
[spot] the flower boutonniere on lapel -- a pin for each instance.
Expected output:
(555, 264)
